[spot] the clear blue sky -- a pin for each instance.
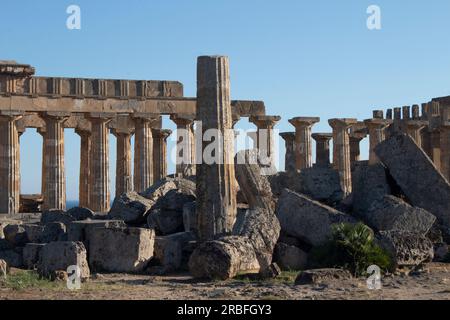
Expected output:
(303, 58)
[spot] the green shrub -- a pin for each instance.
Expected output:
(351, 247)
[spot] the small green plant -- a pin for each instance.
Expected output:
(22, 280)
(351, 247)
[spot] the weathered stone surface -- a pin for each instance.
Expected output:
(318, 276)
(190, 217)
(130, 207)
(55, 231)
(5, 245)
(80, 230)
(58, 256)
(370, 184)
(290, 257)
(15, 234)
(80, 213)
(4, 269)
(31, 253)
(50, 216)
(392, 213)
(33, 232)
(416, 175)
(441, 252)
(165, 221)
(13, 257)
(184, 189)
(306, 219)
(406, 248)
(120, 250)
(319, 183)
(169, 250)
(224, 258)
(261, 227)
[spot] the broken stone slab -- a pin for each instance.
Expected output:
(120, 249)
(224, 258)
(370, 184)
(306, 219)
(16, 235)
(4, 222)
(80, 213)
(253, 184)
(392, 213)
(165, 222)
(262, 228)
(414, 172)
(55, 231)
(130, 207)
(319, 276)
(178, 190)
(290, 257)
(4, 268)
(169, 250)
(50, 216)
(80, 230)
(58, 256)
(406, 248)
(31, 253)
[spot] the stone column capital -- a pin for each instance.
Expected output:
(121, 131)
(342, 123)
(377, 123)
(416, 124)
(161, 133)
(288, 136)
(322, 137)
(147, 117)
(81, 132)
(182, 120)
(265, 122)
(300, 122)
(55, 115)
(101, 117)
(6, 115)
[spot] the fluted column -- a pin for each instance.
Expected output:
(265, 141)
(124, 177)
(85, 167)
(377, 134)
(160, 153)
(55, 175)
(322, 148)
(9, 163)
(99, 196)
(185, 157)
(303, 141)
(143, 151)
(341, 151)
(289, 159)
(41, 131)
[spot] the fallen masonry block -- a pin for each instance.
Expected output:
(120, 249)
(290, 257)
(416, 175)
(370, 184)
(4, 269)
(130, 207)
(190, 217)
(54, 231)
(169, 250)
(31, 253)
(80, 230)
(15, 234)
(80, 213)
(50, 216)
(224, 258)
(406, 248)
(58, 256)
(180, 189)
(306, 219)
(392, 213)
(165, 222)
(319, 276)
(13, 257)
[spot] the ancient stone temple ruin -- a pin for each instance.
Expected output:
(215, 219)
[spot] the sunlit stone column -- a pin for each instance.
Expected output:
(414, 128)
(85, 167)
(265, 139)
(9, 163)
(124, 177)
(322, 148)
(289, 159)
(55, 176)
(377, 134)
(185, 153)
(357, 133)
(143, 151)
(160, 153)
(99, 193)
(41, 131)
(216, 182)
(341, 151)
(303, 141)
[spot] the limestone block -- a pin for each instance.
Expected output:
(290, 257)
(130, 207)
(31, 253)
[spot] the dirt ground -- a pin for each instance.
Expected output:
(431, 283)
